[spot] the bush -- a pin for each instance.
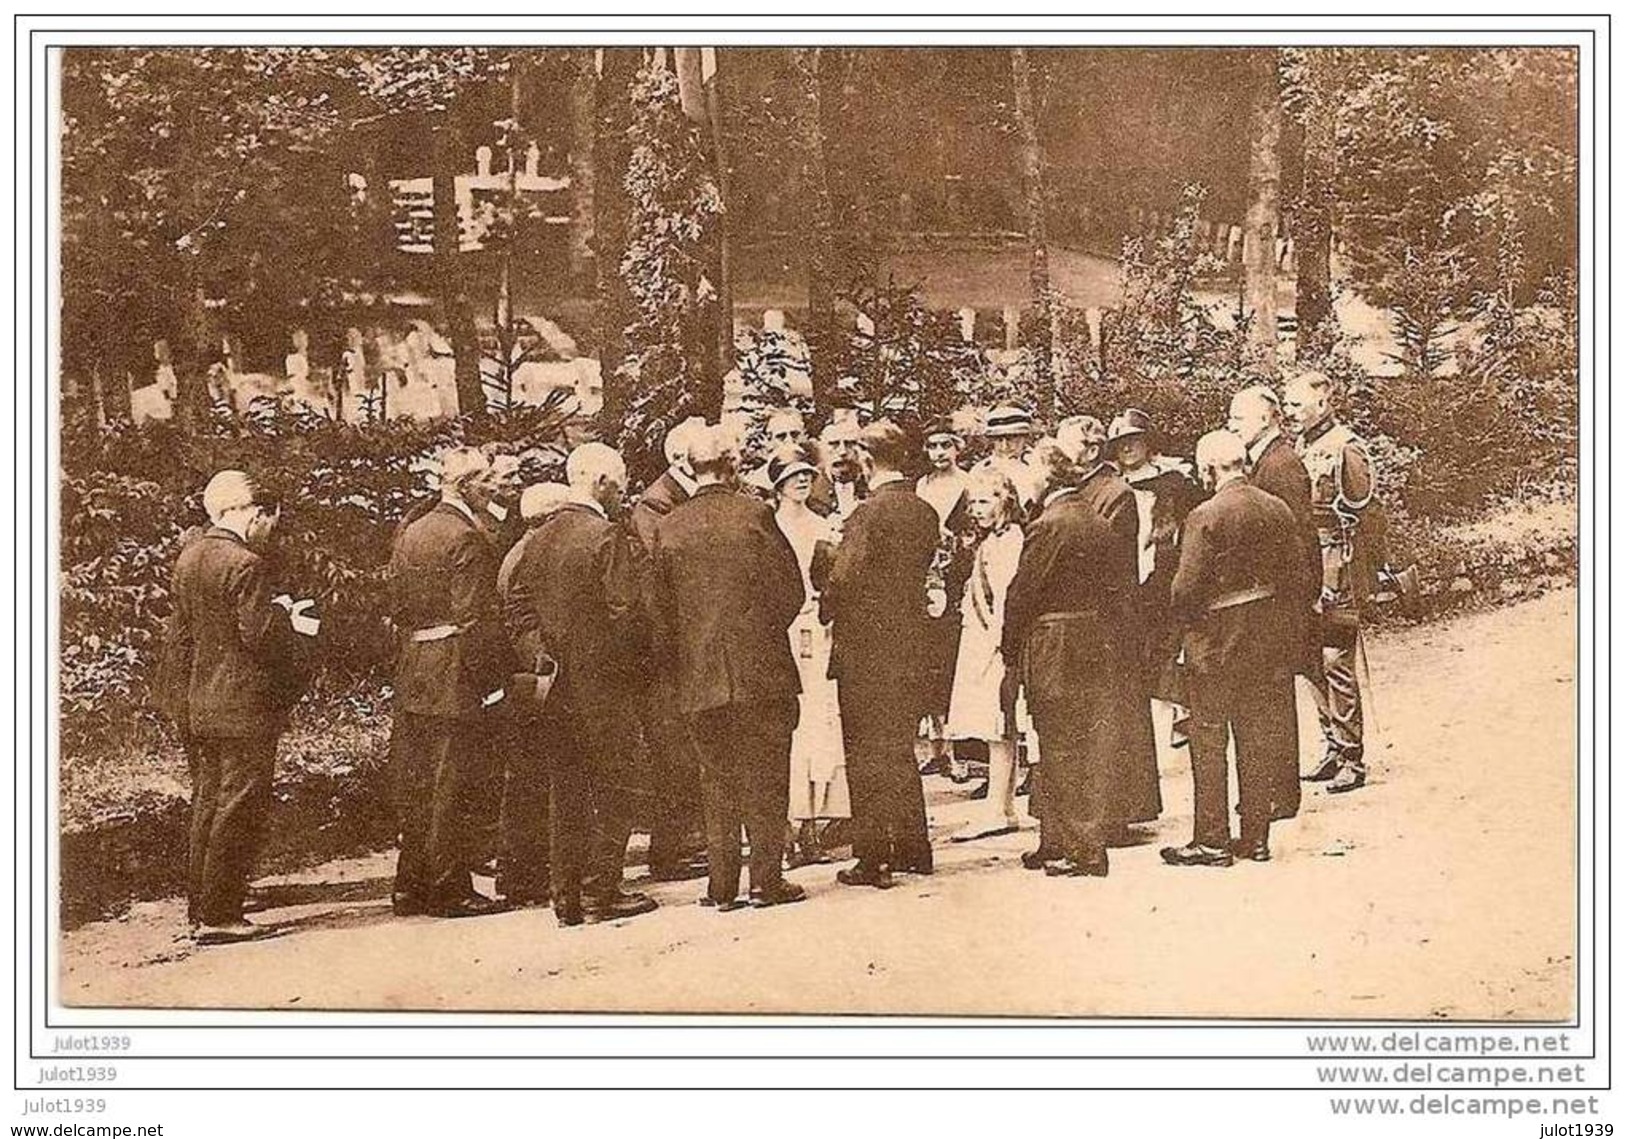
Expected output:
(130, 495)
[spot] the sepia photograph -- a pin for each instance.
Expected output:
(1076, 532)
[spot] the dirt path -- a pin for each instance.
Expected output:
(1444, 889)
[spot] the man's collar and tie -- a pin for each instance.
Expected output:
(1262, 444)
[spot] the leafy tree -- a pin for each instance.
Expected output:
(674, 202)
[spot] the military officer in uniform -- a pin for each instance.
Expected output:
(453, 664)
(1342, 486)
(234, 664)
(1238, 595)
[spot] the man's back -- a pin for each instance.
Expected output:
(1240, 584)
(725, 587)
(1071, 562)
(240, 644)
(876, 597)
(442, 575)
(576, 587)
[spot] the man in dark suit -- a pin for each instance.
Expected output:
(1274, 466)
(1239, 595)
(234, 665)
(677, 824)
(454, 661)
(724, 587)
(876, 602)
(522, 828)
(1067, 646)
(577, 592)
(1135, 792)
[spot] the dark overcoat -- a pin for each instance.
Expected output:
(442, 573)
(876, 598)
(724, 586)
(233, 665)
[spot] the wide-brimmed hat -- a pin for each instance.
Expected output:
(1007, 419)
(1131, 422)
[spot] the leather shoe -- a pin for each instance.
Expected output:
(1075, 868)
(231, 933)
(526, 900)
(469, 906)
(1195, 854)
(779, 893)
(860, 875)
(1035, 859)
(1348, 779)
(1328, 768)
(727, 907)
(611, 907)
(1253, 850)
(680, 872)
(405, 905)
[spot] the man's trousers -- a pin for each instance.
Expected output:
(1261, 713)
(231, 803)
(744, 752)
(888, 800)
(436, 760)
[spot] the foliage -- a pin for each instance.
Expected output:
(1448, 164)
(675, 205)
(901, 360)
(130, 494)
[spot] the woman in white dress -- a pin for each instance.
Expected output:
(976, 709)
(818, 789)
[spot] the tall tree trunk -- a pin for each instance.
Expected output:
(1042, 338)
(816, 223)
(583, 94)
(1264, 206)
(1312, 229)
(457, 310)
(714, 343)
(716, 108)
(612, 117)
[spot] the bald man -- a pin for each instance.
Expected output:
(1238, 595)
(234, 669)
(577, 594)
(450, 674)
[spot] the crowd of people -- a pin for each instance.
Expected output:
(777, 642)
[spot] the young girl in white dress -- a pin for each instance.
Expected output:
(976, 710)
(818, 789)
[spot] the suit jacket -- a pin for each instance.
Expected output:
(234, 665)
(1281, 472)
(576, 595)
(876, 599)
(442, 572)
(724, 587)
(659, 499)
(1071, 562)
(1240, 539)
